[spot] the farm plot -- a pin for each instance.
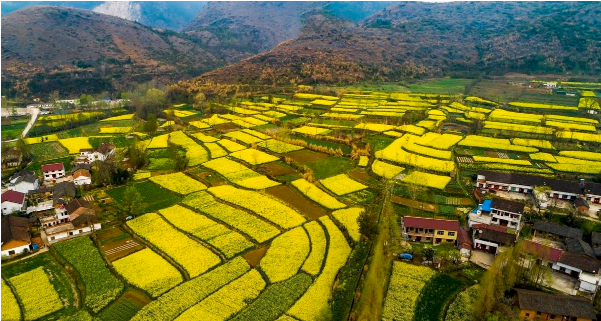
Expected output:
(243, 137)
(262, 204)
(191, 255)
(584, 137)
(485, 159)
(215, 150)
(10, 307)
(342, 184)
(186, 295)
(254, 156)
(494, 143)
(75, 144)
(385, 170)
(286, 255)
(438, 141)
(406, 284)
(228, 300)
(317, 296)
(316, 257)
(435, 296)
(348, 218)
(427, 180)
(228, 242)
(427, 151)
(279, 147)
(115, 130)
(154, 197)
(36, 293)
(101, 286)
(570, 126)
(313, 131)
(462, 308)
(46, 151)
(230, 145)
(538, 143)
(122, 117)
(244, 222)
(395, 153)
(148, 271)
(542, 106)
(161, 141)
(592, 156)
(179, 183)
(317, 195)
(240, 174)
(196, 153)
(40, 139)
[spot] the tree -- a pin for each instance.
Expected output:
(429, 253)
(199, 101)
(151, 124)
(137, 155)
(368, 224)
(85, 100)
(132, 202)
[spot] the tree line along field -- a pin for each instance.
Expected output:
(197, 226)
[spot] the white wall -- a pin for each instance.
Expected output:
(18, 250)
(9, 207)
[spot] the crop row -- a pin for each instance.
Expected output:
(406, 284)
(286, 255)
(191, 255)
(225, 240)
(342, 184)
(248, 224)
(317, 195)
(240, 174)
(102, 287)
(228, 300)
(262, 204)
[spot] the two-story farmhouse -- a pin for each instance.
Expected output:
(437, 231)
(53, 171)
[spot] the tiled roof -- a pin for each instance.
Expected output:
(558, 304)
(53, 167)
(13, 196)
(550, 253)
(507, 205)
(431, 223)
(557, 229)
(15, 229)
(580, 261)
(531, 180)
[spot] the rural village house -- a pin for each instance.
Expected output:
(437, 231)
(15, 235)
(53, 171)
(23, 181)
(520, 183)
(491, 238)
(498, 211)
(82, 219)
(555, 232)
(81, 177)
(535, 305)
(12, 201)
(104, 151)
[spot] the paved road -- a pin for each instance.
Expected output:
(33, 111)
(34, 115)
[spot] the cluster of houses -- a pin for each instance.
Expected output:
(49, 203)
(496, 223)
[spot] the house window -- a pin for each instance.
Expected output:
(538, 313)
(52, 238)
(527, 315)
(451, 233)
(80, 231)
(440, 233)
(11, 252)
